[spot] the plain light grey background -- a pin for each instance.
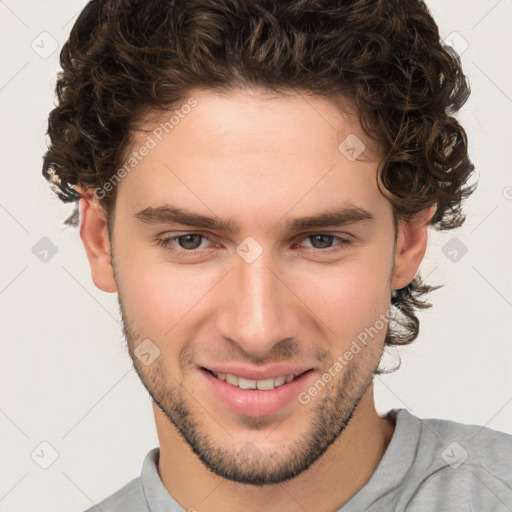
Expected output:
(66, 378)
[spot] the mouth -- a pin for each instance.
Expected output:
(255, 398)
(262, 384)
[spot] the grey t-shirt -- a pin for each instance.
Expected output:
(429, 465)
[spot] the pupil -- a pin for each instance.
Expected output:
(185, 245)
(315, 238)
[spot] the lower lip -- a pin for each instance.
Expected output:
(254, 402)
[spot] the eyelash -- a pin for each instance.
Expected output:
(167, 242)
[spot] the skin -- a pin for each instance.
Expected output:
(259, 160)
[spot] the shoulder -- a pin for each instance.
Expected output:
(471, 445)
(457, 464)
(127, 499)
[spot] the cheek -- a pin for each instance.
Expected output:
(160, 296)
(349, 297)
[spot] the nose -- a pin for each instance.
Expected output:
(257, 308)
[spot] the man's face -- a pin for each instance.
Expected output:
(263, 297)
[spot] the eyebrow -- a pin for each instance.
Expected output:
(167, 214)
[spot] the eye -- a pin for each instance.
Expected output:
(184, 243)
(189, 244)
(324, 242)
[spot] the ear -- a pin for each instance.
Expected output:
(410, 247)
(93, 232)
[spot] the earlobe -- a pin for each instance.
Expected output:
(410, 249)
(93, 232)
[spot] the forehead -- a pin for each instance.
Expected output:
(246, 148)
(249, 120)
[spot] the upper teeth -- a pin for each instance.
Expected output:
(264, 384)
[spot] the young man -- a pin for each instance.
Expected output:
(256, 182)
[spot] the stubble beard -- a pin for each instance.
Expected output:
(329, 415)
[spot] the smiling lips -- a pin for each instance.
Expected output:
(262, 378)
(257, 393)
(263, 384)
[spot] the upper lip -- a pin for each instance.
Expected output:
(268, 372)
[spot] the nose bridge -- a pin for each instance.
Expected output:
(255, 314)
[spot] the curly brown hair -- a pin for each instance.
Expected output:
(125, 58)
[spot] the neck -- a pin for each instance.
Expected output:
(326, 486)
